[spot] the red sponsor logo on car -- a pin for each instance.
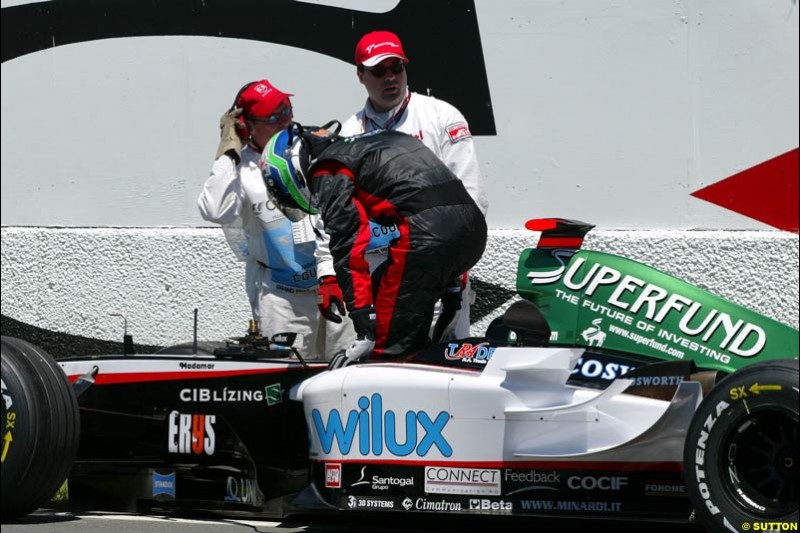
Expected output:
(333, 475)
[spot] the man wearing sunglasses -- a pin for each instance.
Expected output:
(280, 268)
(381, 67)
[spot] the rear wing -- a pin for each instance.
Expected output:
(602, 300)
(559, 232)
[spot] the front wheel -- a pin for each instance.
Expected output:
(41, 427)
(741, 453)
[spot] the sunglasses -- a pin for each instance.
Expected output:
(379, 71)
(276, 117)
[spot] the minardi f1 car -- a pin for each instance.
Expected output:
(610, 390)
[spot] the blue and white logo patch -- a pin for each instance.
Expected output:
(164, 485)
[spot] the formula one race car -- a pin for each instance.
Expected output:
(610, 391)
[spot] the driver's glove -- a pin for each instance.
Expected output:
(229, 139)
(329, 296)
(364, 323)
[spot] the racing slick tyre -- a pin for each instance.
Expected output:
(741, 452)
(187, 348)
(41, 427)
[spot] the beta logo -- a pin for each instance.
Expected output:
(378, 430)
(191, 433)
(333, 475)
(478, 353)
(476, 504)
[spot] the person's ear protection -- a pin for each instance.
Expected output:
(244, 131)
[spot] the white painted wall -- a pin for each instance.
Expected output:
(607, 111)
(598, 103)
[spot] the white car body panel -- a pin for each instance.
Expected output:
(518, 408)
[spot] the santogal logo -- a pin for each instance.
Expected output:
(377, 430)
(382, 483)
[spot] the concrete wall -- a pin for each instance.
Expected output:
(71, 280)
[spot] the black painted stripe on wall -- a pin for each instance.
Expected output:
(62, 344)
(441, 38)
(489, 298)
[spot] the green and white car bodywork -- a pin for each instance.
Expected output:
(600, 300)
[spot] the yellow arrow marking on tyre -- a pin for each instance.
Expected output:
(755, 388)
(8, 438)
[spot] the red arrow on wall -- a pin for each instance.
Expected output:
(766, 192)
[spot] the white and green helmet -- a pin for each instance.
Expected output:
(283, 165)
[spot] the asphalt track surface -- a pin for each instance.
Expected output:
(48, 521)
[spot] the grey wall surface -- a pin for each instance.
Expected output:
(71, 280)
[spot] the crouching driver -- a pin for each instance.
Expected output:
(391, 178)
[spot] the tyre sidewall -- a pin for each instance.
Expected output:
(46, 428)
(730, 405)
(17, 425)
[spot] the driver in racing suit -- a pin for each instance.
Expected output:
(391, 178)
(381, 68)
(280, 272)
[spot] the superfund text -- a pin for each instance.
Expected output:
(634, 295)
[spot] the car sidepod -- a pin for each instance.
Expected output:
(510, 439)
(194, 432)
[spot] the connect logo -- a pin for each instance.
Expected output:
(447, 480)
(380, 431)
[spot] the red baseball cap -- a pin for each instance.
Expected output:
(376, 46)
(260, 99)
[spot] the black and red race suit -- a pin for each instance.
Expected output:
(392, 178)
